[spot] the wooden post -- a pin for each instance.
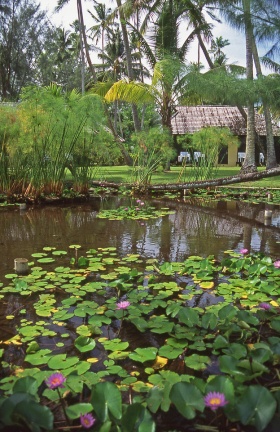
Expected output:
(21, 266)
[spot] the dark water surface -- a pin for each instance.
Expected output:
(196, 228)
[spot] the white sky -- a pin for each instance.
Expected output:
(235, 51)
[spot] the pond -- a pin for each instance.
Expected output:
(136, 311)
(197, 227)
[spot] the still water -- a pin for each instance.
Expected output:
(196, 228)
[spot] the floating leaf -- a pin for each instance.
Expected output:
(187, 398)
(61, 361)
(84, 344)
(46, 260)
(144, 354)
(206, 285)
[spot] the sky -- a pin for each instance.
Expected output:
(235, 51)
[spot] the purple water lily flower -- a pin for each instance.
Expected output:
(87, 420)
(214, 400)
(265, 306)
(56, 380)
(244, 251)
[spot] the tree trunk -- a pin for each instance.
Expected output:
(216, 182)
(82, 27)
(270, 156)
(136, 120)
(249, 164)
(212, 66)
(200, 184)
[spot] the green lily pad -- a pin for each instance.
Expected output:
(84, 344)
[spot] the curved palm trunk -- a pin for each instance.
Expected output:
(136, 120)
(249, 164)
(271, 161)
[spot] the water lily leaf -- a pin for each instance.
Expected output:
(207, 285)
(170, 352)
(93, 360)
(59, 252)
(144, 354)
(38, 358)
(76, 410)
(26, 384)
(187, 398)
(256, 407)
(118, 355)
(160, 362)
(188, 316)
(75, 246)
(61, 361)
(11, 276)
(106, 398)
(197, 362)
(32, 347)
(140, 323)
(39, 255)
(114, 344)
(46, 260)
(138, 417)
(84, 344)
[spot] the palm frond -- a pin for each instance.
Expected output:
(146, 47)
(132, 92)
(101, 88)
(269, 63)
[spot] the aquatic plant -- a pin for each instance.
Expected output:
(137, 210)
(196, 334)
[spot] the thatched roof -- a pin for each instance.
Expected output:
(190, 119)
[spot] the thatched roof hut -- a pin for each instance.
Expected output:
(190, 119)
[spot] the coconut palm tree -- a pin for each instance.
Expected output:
(217, 45)
(84, 45)
(130, 73)
(101, 16)
(243, 15)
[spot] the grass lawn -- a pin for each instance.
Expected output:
(123, 174)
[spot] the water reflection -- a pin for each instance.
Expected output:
(196, 228)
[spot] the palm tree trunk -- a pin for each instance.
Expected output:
(212, 66)
(82, 61)
(249, 164)
(271, 161)
(82, 27)
(136, 120)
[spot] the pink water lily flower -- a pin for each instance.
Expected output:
(123, 305)
(244, 251)
(277, 264)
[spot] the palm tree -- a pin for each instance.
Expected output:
(217, 45)
(84, 45)
(244, 14)
(168, 82)
(101, 16)
(130, 73)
